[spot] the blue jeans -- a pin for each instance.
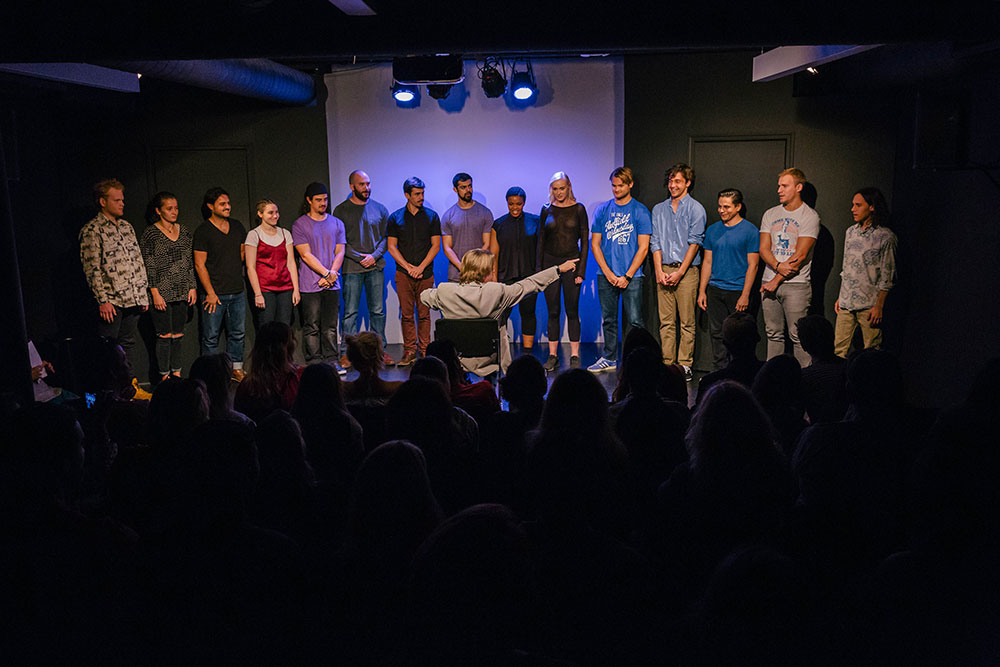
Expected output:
(631, 298)
(373, 282)
(231, 312)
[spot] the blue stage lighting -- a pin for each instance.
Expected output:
(404, 94)
(523, 85)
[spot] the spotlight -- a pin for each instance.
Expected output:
(522, 84)
(439, 91)
(812, 70)
(406, 97)
(494, 82)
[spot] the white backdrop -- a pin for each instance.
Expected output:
(576, 126)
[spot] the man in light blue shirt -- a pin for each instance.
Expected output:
(619, 240)
(678, 232)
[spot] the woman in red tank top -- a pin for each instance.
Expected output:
(271, 267)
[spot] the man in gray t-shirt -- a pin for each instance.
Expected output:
(465, 226)
(787, 235)
(365, 223)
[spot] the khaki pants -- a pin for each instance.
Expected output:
(676, 303)
(847, 322)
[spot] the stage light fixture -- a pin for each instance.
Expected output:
(493, 74)
(439, 91)
(522, 85)
(406, 97)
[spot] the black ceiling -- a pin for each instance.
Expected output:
(315, 31)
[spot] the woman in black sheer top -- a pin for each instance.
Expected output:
(563, 233)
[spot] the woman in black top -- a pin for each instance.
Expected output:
(513, 243)
(166, 252)
(563, 233)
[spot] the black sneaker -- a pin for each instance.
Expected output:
(551, 364)
(574, 361)
(688, 376)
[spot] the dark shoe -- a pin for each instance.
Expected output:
(574, 361)
(551, 364)
(387, 360)
(345, 362)
(408, 359)
(688, 376)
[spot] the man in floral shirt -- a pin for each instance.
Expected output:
(113, 266)
(869, 272)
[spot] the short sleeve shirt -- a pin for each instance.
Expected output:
(322, 237)
(466, 228)
(413, 234)
(785, 228)
(620, 227)
(729, 247)
(224, 263)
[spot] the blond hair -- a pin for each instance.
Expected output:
(477, 264)
(561, 176)
(796, 174)
(103, 187)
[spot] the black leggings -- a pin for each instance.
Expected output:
(571, 296)
(169, 321)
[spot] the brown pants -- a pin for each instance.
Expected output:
(678, 303)
(417, 335)
(847, 322)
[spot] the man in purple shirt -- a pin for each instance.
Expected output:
(465, 226)
(319, 238)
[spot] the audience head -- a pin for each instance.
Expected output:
(472, 583)
(43, 453)
(642, 372)
(364, 351)
(105, 368)
(477, 266)
(320, 391)
(281, 451)
(216, 372)
(524, 384)
(739, 335)
(177, 408)
(777, 382)
(446, 351)
(433, 368)
(816, 336)
(577, 403)
(393, 507)
(162, 205)
(874, 382)
(728, 426)
(270, 360)
(219, 470)
(420, 411)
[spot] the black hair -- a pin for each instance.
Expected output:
(411, 183)
(459, 177)
(209, 199)
(152, 217)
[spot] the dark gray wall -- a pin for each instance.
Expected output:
(67, 137)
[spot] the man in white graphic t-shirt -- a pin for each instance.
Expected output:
(787, 235)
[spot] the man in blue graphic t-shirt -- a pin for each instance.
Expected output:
(619, 239)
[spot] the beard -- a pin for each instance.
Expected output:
(363, 196)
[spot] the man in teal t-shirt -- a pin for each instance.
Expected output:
(619, 239)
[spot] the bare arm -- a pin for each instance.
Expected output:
(753, 260)
(706, 274)
(595, 247)
(431, 254)
(293, 271)
(393, 246)
(211, 299)
(251, 259)
(449, 252)
(494, 248)
(660, 276)
(640, 255)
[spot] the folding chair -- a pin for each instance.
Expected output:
(479, 337)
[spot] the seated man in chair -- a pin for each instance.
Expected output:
(477, 294)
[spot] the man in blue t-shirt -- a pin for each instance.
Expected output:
(732, 248)
(619, 239)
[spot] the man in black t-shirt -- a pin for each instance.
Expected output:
(218, 261)
(414, 233)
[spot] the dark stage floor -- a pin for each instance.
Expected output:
(589, 352)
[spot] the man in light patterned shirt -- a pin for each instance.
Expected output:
(869, 272)
(112, 263)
